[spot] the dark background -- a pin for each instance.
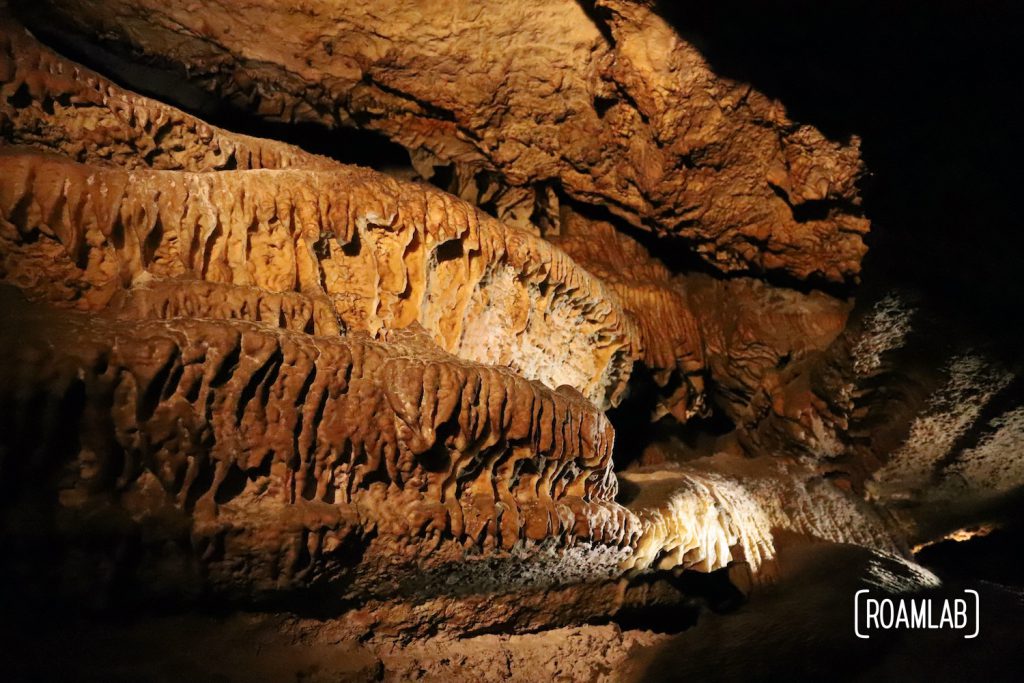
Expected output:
(933, 89)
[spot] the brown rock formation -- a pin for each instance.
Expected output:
(761, 347)
(51, 103)
(281, 445)
(364, 251)
(605, 101)
(233, 367)
(289, 462)
(672, 342)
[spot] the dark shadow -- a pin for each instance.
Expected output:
(932, 90)
(168, 84)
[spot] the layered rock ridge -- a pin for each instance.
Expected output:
(230, 366)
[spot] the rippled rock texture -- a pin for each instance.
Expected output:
(602, 99)
(232, 370)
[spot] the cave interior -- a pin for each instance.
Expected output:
(616, 340)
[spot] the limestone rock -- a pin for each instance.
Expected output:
(361, 250)
(603, 100)
(230, 367)
(279, 445)
(761, 349)
(51, 103)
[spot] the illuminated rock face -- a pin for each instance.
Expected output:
(280, 445)
(278, 375)
(605, 100)
(755, 343)
(54, 104)
(356, 250)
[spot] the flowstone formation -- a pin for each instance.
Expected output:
(234, 370)
(602, 100)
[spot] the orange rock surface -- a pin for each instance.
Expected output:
(606, 101)
(275, 374)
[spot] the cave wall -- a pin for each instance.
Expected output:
(593, 325)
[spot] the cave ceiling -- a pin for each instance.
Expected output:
(451, 317)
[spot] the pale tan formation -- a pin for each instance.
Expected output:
(763, 348)
(603, 100)
(673, 346)
(724, 509)
(955, 471)
(366, 252)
